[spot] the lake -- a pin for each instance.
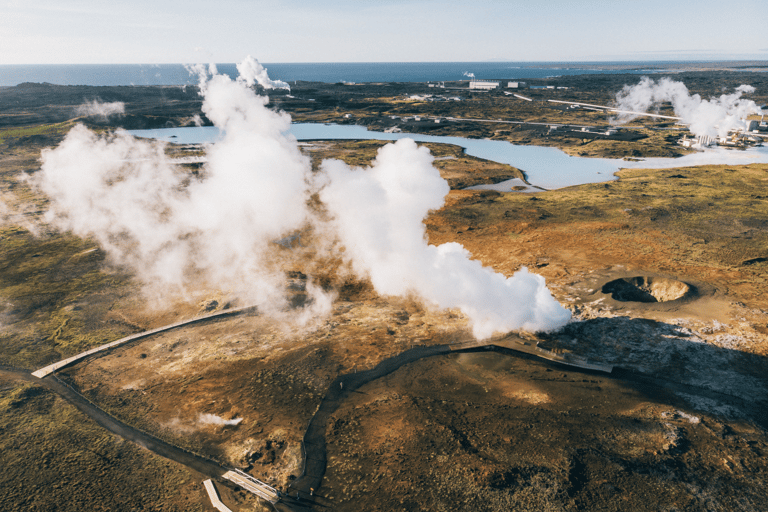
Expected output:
(547, 168)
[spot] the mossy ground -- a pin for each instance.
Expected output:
(704, 223)
(54, 458)
(58, 294)
(60, 297)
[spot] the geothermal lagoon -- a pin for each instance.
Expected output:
(545, 167)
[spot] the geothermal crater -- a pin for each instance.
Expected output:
(648, 289)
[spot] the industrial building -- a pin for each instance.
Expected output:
(756, 123)
(483, 85)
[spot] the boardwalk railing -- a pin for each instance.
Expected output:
(214, 496)
(252, 485)
(42, 372)
(532, 348)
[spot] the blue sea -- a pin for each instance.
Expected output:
(177, 74)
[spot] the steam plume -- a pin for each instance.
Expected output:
(178, 231)
(101, 110)
(251, 72)
(214, 419)
(379, 213)
(175, 233)
(469, 75)
(713, 117)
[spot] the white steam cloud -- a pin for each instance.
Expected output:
(101, 110)
(469, 75)
(251, 72)
(218, 230)
(713, 117)
(214, 419)
(379, 212)
(174, 232)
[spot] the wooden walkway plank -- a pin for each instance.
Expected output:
(252, 485)
(214, 496)
(47, 370)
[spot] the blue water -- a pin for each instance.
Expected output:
(177, 74)
(545, 167)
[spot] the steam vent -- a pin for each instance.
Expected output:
(648, 289)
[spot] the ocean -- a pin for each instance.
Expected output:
(177, 74)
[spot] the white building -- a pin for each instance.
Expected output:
(483, 85)
(516, 85)
(756, 123)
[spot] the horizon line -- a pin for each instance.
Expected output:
(489, 61)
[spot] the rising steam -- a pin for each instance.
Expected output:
(378, 214)
(101, 110)
(175, 233)
(218, 229)
(713, 117)
(251, 72)
(214, 419)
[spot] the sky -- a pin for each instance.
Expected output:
(190, 31)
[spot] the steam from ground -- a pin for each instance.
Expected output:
(469, 75)
(713, 117)
(101, 110)
(177, 232)
(214, 419)
(251, 71)
(217, 229)
(378, 215)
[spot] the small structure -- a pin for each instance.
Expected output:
(701, 141)
(756, 123)
(516, 85)
(252, 485)
(483, 85)
(214, 496)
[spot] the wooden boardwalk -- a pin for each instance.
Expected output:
(513, 342)
(47, 370)
(252, 485)
(214, 497)
(314, 438)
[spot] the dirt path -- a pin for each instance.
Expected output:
(314, 442)
(343, 386)
(198, 463)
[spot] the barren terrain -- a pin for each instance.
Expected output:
(679, 425)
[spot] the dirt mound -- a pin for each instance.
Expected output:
(648, 289)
